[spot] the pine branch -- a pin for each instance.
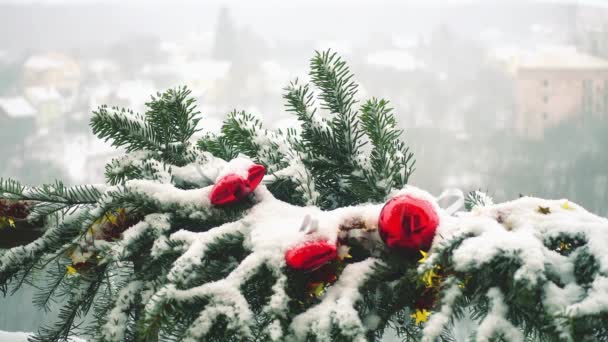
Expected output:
(331, 75)
(240, 130)
(173, 116)
(124, 128)
(317, 137)
(218, 146)
(138, 166)
(54, 277)
(49, 198)
(391, 162)
(82, 295)
(477, 199)
(167, 126)
(174, 120)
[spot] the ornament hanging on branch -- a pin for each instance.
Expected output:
(408, 223)
(232, 187)
(311, 255)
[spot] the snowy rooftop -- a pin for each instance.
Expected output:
(550, 57)
(16, 107)
(50, 61)
(42, 94)
(9, 336)
(563, 58)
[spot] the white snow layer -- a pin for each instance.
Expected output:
(270, 228)
(520, 229)
(516, 229)
(17, 336)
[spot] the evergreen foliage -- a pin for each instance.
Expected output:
(335, 166)
(149, 258)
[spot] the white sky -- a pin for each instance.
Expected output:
(266, 2)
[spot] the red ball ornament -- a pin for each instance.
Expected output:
(232, 188)
(408, 223)
(311, 255)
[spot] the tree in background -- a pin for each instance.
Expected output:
(547, 166)
(226, 36)
(309, 234)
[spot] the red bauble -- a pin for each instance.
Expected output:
(255, 175)
(232, 188)
(408, 223)
(311, 255)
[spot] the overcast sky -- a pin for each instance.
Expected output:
(269, 2)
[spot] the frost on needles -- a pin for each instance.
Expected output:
(152, 256)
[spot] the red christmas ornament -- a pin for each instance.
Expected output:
(311, 255)
(232, 188)
(408, 223)
(229, 189)
(255, 175)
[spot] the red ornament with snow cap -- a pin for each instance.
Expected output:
(311, 255)
(408, 223)
(233, 188)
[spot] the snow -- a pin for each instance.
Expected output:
(337, 307)
(43, 62)
(238, 166)
(153, 224)
(268, 236)
(194, 201)
(194, 246)
(202, 172)
(43, 94)
(547, 57)
(495, 322)
(439, 320)
(520, 230)
(16, 107)
(17, 336)
(114, 329)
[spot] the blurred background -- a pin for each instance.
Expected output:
(510, 97)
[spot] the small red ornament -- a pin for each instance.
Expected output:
(409, 223)
(311, 255)
(232, 188)
(255, 175)
(229, 189)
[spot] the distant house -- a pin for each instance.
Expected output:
(16, 107)
(17, 119)
(53, 70)
(557, 84)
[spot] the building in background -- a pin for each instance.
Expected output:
(556, 84)
(54, 70)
